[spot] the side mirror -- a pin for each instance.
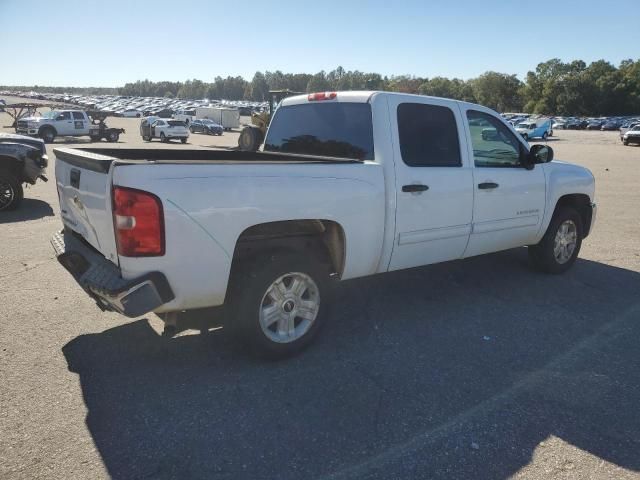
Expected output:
(540, 154)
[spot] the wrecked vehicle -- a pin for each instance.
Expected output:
(22, 160)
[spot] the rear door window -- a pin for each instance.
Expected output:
(428, 135)
(78, 116)
(335, 129)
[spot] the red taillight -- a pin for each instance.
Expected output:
(314, 97)
(138, 220)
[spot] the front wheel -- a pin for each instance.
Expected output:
(11, 192)
(545, 135)
(183, 140)
(113, 136)
(559, 248)
(278, 303)
(163, 137)
(48, 135)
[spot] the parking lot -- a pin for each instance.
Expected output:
(479, 368)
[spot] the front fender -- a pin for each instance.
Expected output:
(564, 179)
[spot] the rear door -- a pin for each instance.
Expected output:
(84, 190)
(509, 199)
(434, 181)
(80, 123)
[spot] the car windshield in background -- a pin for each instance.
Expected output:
(176, 123)
(343, 130)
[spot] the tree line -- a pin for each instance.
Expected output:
(554, 88)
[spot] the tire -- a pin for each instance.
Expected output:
(249, 139)
(47, 134)
(146, 139)
(163, 138)
(191, 130)
(625, 142)
(183, 140)
(94, 138)
(545, 135)
(553, 254)
(255, 295)
(113, 137)
(11, 192)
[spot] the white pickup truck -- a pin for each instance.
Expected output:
(68, 123)
(348, 184)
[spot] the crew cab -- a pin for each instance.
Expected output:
(22, 160)
(347, 184)
(67, 123)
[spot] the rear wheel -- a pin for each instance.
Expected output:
(113, 136)
(163, 137)
(11, 192)
(559, 248)
(183, 140)
(279, 303)
(249, 139)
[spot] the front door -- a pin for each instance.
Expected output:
(509, 199)
(434, 182)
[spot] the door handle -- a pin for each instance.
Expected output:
(487, 186)
(415, 188)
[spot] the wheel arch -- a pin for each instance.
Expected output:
(582, 204)
(13, 165)
(323, 238)
(47, 127)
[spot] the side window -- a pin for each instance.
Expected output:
(428, 136)
(64, 116)
(494, 145)
(78, 116)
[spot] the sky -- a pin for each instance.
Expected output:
(109, 43)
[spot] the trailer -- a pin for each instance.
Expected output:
(227, 117)
(100, 130)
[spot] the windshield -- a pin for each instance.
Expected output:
(343, 130)
(50, 115)
(176, 123)
(524, 125)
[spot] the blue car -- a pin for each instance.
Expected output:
(206, 126)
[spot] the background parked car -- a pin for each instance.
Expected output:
(132, 113)
(594, 125)
(206, 126)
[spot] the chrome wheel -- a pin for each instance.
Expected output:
(7, 194)
(565, 241)
(289, 307)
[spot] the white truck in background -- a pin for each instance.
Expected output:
(349, 184)
(229, 118)
(186, 116)
(68, 123)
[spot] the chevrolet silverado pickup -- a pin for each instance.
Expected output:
(347, 184)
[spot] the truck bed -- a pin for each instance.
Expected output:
(100, 159)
